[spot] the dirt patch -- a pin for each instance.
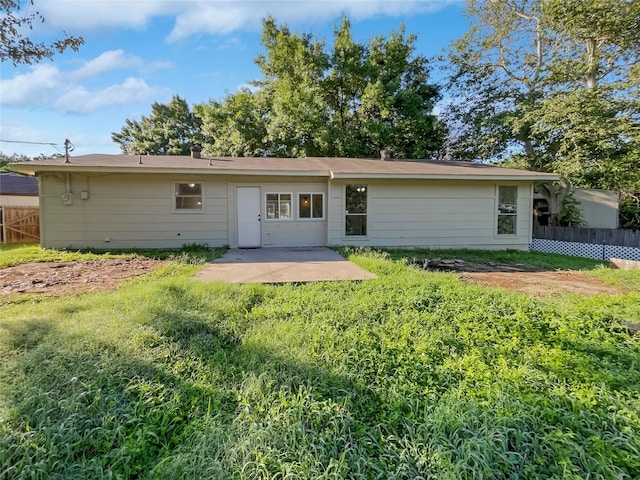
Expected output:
(60, 278)
(522, 278)
(543, 284)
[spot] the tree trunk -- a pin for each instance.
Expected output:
(555, 194)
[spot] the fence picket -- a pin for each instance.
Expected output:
(601, 236)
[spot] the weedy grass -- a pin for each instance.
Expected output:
(539, 260)
(412, 375)
(17, 254)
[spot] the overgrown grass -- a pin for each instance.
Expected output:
(11, 255)
(413, 375)
(548, 261)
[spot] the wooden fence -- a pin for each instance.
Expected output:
(19, 224)
(599, 236)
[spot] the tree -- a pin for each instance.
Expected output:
(171, 129)
(352, 100)
(19, 48)
(235, 126)
(550, 85)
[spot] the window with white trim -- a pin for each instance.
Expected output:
(355, 218)
(188, 196)
(507, 210)
(311, 206)
(278, 206)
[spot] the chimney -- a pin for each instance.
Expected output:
(195, 151)
(385, 155)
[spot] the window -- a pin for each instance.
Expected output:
(278, 206)
(356, 210)
(507, 210)
(311, 205)
(188, 196)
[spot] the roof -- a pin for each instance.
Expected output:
(346, 168)
(15, 184)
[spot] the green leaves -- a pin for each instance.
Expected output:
(18, 47)
(351, 100)
(554, 84)
(171, 129)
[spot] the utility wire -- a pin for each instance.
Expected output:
(31, 143)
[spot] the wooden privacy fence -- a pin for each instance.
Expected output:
(599, 236)
(19, 224)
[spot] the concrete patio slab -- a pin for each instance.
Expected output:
(282, 265)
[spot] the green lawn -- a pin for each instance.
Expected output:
(413, 375)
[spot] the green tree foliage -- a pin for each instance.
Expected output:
(171, 129)
(18, 47)
(553, 86)
(5, 160)
(348, 100)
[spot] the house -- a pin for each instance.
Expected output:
(120, 201)
(18, 190)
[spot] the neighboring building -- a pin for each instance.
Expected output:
(18, 190)
(119, 201)
(599, 208)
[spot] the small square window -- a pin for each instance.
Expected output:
(278, 206)
(311, 205)
(188, 196)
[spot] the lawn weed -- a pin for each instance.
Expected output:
(413, 375)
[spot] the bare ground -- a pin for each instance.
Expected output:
(523, 278)
(60, 278)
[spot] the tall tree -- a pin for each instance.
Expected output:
(19, 48)
(171, 129)
(351, 100)
(235, 126)
(550, 85)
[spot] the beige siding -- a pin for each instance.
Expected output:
(435, 214)
(18, 201)
(282, 233)
(128, 211)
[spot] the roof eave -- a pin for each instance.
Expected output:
(461, 176)
(33, 169)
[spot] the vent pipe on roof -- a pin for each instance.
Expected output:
(195, 151)
(385, 155)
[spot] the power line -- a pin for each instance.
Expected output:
(30, 143)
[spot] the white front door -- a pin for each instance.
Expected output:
(249, 231)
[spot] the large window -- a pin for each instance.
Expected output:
(188, 196)
(278, 206)
(311, 205)
(507, 210)
(356, 210)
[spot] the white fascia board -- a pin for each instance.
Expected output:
(32, 169)
(508, 178)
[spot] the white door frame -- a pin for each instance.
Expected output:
(248, 216)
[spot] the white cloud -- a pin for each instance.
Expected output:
(47, 86)
(31, 88)
(81, 100)
(108, 61)
(194, 17)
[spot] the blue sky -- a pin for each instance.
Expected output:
(140, 51)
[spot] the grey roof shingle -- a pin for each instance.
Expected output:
(318, 166)
(15, 184)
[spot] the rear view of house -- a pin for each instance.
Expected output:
(119, 201)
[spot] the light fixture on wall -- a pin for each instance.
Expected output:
(191, 185)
